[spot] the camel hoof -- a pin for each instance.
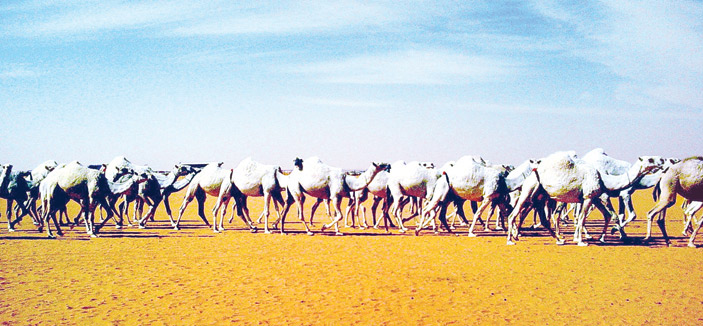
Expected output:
(267, 232)
(310, 233)
(560, 242)
(402, 230)
(10, 230)
(417, 232)
(472, 235)
(510, 243)
(588, 237)
(51, 236)
(500, 228)
(487, 230)
(216, 230)
(692, 245)
(253, 230)
(322, 229)
(142, 226)
(536, 226)
(338, 233)
(93, 235)
(602, 240)
(582, 244)
(176, 228)
(118, 227)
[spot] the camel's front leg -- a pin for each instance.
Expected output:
(336, 203)
(299, 199)
(484, 204)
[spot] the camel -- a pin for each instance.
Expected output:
(690, 208)
(685, 179)
(608, 165)
(37, 175)
(175, 186)
(562, 178)
(152, 191)
(86, 186)
(209, 182)
(253, 179)
(468, 180)
(411, 179)
(319, 180)
(14, 189)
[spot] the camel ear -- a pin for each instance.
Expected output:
(651, 160)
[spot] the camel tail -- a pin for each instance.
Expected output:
(280, 178)
(656, 192)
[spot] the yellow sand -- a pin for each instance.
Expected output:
(193, 276)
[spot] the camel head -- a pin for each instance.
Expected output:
(384, 167)
(181, 170)
(649, 164)
(141, 177)
(298, 162)
(49, 165)
(5, 175)
(120, 171)
(428, 165)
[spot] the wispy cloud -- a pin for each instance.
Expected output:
(338, 102)
(290, 17)
(419, 67)
(654, 47)
(17, 71)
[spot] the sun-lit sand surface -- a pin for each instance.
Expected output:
(159, 276)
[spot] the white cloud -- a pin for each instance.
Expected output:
(17, 71)
(419, 67)
(286, 18)
(336, 102)
(654, 46)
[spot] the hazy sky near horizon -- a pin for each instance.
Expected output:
(162, 82)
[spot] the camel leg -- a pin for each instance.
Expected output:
(167, 206)
(578, 236)
(666, 200)
(374, 206)
(336, 204)
(317, 203)
(695, 231)
(607, 216)
(267, 202)
(8, 211)
(661, 222)
(223, 199)
(395, 211)
(244, 214)
(190, 194)
(200, 197)
(300, 199)
(480, 210)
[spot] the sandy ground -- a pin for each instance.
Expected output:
(159, 276)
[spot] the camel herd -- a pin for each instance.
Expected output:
(549, 187)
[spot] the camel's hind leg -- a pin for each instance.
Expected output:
(478, 213)
(695, 231)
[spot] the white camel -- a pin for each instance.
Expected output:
(468, 180)
(88, 187)
(153, 191)
(685, 179)
(411, 179)
(606, 164)
(33, 180)
(14, 190)
(253, 179)
(175, 186)
(314, 178)
(562, 178)
(209, 182)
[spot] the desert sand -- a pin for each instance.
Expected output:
(159, 276)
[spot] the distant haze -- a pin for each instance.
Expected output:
(163, 82)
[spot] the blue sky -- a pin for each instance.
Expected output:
(351, 82)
